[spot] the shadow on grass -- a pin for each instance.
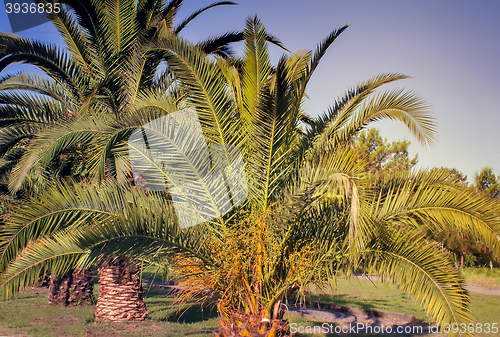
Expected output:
(193, 313)
(350, 301)
(161, 307)
(155, 291)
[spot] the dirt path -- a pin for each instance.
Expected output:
(482, 290)
(344, 315)
(361, 319)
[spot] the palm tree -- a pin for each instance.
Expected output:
(310, 210)
(104, 42)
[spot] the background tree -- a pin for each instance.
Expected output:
(461, 245)
(381, 156)
(487, 182)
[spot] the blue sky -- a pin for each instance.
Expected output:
(450, 48)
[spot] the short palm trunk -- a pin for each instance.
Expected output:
(73, 288)
(120, 292)
(250, 325)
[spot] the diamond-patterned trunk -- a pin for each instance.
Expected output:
(120, 292)
(73, 288)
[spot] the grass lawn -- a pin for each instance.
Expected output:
(361, 293)
(30, 315)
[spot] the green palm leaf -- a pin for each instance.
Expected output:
(191, 17)
(421, 269)
(256, 66)
(270, 125)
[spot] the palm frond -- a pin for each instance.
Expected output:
(191, 17)
(219, 44)
(20, 108)
(355, 110)
(322, 48)
(423, 270)
(208, 91)
(38, 84)
(48, 144)
(56, 63)
(423, 203)
(270, 126)
(400, 105)
(74, 225)
(16, 136)
(122, 25)
(256, 66)
(76, 37)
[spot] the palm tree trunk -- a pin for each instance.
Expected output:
(73, 288)
(236, 323)
(252, 325)
(120, 292)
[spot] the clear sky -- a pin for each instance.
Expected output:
(451, 48)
